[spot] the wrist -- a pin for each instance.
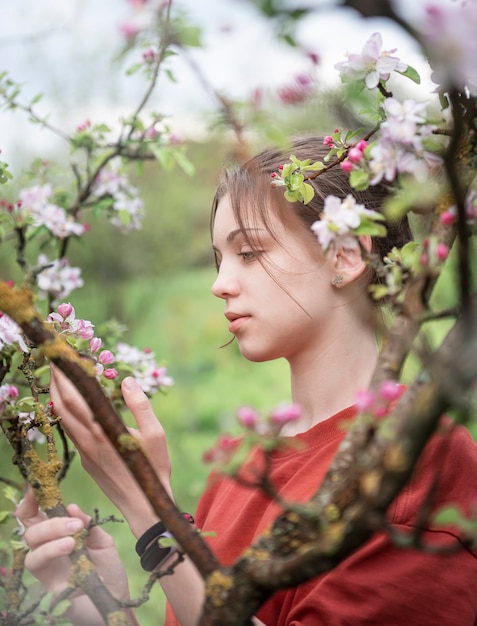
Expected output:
(148, 547)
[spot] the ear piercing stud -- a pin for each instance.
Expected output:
(337, 280)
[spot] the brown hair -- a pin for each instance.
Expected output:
(251, 193)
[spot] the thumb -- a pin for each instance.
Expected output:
(28, 512)
(139, 405)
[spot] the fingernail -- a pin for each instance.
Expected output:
(130, 383)
(74, 525)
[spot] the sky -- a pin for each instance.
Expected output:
(65, 49)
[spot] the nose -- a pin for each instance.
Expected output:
(226, 284)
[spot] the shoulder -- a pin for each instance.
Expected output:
(445, 474)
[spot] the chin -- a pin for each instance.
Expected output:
(256, 355)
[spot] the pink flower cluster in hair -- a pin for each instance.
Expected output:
(400, 148)
(372, 65)
(340, 219)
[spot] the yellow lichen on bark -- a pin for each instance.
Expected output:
(128, 442)
(17, 303)
(370, 482)
(117, 618)
(217, 585)
(80, 570)
(254, 554)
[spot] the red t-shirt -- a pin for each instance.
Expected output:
(380, 584)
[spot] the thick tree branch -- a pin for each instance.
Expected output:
(17, 303)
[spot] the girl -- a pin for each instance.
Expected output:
(283, 298)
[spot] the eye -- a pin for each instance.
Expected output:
(248, 255)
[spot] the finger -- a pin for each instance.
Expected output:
(44, 555)
(98, 539)
(28, 512)
(139, 405)
(76, 417)
(66, 398)
(52, 529)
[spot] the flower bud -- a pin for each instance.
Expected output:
(364, 400)
(247, 416)
(65, 309)
(447, 218)
(286, 413)
(347, 166)
(110, 374)
(355, 155)
(442, 251)
(106, 357)
(390, 390)
(95, 344)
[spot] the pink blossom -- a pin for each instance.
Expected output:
(129, 30)
(84, 329)
(110, 374)
(390, 390)
(83, 126)
(448, 32)
(95, 344)
(162, 379)
(11, 334)
(65, 309)
(372, 65)
(58, 278)
(328, 141)
(339, 218)
(8, 393)
(247, 416)
(347, 166)
(442, 251)
(286, 413)
(447, 218)
(355, 154)
(364, 400)
(106, 357)
(127, 207)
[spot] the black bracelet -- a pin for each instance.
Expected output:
(148, 548)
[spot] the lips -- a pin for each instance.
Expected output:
(236, 321)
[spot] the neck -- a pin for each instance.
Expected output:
(325, 380)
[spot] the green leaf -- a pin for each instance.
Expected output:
(359, 180)
(411, 73)
(378, 291)
(190, 36)
(307, 193)
(4, 516)
(10, 493)
(183, 162)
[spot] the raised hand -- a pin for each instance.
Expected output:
(99, 457)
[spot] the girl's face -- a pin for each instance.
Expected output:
(278, 305)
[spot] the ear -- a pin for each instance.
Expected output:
(348, 262)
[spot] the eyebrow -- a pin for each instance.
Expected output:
(238, 231)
